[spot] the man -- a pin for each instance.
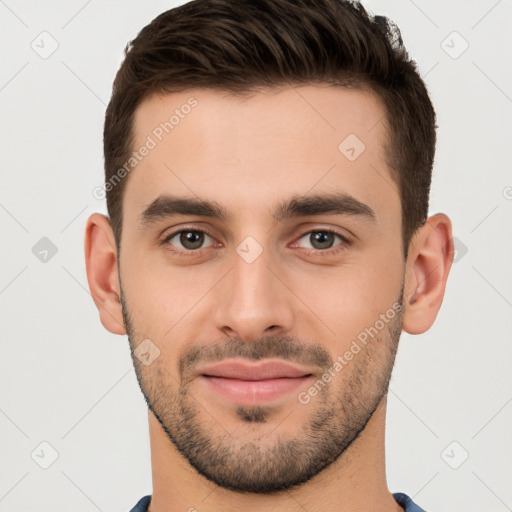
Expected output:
(268, 166)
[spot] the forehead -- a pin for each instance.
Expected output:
(249, 152)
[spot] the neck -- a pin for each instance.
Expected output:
(356, 481)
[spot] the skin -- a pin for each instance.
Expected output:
(249, 154)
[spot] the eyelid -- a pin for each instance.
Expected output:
(171, 235)
(345, 240)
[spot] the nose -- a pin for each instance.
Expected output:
(253, 300)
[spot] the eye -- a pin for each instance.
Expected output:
(189, 242)
(322, 240)
(189, 239)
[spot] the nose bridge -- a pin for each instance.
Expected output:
(252, 298)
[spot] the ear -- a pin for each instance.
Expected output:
(102, 273)
(428, 264)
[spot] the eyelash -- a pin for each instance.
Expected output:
(327, 252)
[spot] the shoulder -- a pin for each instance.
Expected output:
(404, 501)
(142, 504)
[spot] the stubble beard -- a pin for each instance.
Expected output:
(272, 462)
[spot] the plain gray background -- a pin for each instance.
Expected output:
(68, 383)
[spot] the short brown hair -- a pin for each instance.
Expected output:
(241, 45)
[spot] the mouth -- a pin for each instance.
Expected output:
(252, 383)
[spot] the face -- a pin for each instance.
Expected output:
(261, 273)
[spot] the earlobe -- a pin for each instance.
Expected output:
(102, 272)
(429, 262)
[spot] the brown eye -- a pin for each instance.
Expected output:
(323, 239)
(188, 239)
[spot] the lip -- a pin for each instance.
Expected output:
(252, 383)
(259, 370)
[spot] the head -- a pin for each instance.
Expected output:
(239, 47)
(278, 213)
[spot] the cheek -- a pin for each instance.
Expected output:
(161, 298)
(350, 298)
(165, 300)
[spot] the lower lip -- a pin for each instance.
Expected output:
(251, 392)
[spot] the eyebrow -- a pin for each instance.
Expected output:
(166, 206)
